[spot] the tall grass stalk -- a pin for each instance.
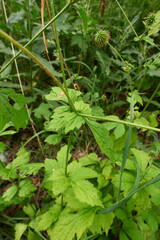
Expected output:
(126, 149)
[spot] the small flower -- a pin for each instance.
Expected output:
(102, 38)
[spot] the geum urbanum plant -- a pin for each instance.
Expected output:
(83, 193)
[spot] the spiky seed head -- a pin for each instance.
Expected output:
(149, 20)
(102, 38)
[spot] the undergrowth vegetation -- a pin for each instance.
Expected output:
(79, 120)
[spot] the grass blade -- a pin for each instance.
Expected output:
(126, 149)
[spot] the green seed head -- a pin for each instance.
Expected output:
(102, 38)
(149, 20)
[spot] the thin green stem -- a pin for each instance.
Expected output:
(34, 136)
(58, 46)
(131, 27)
(126, 18)
(119, 55)
(47, 25)
(41, 235)
(119, 121)
(144, 109)
(125, 64)
(6, 36)
(7, 217)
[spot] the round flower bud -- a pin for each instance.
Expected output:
(149, 20)
(102, 38)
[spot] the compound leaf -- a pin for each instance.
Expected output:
(64, 118)
(70, 224)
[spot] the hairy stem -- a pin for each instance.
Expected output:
(109, 119)
(127, 18)
(118, 54)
